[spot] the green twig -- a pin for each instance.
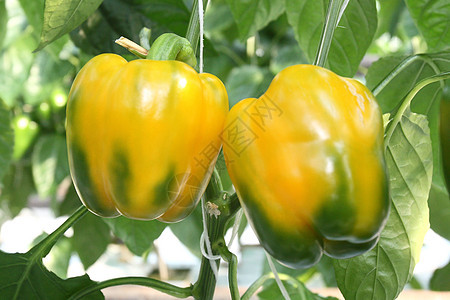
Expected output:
(231, 259)
(400, 68)
(161, 286)
(43, 248)
(256, 285)
(193, 31)
(334, 13)
(407, 102)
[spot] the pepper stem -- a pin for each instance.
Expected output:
(170, 46)
(132, 47)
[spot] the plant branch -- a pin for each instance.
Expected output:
(407, 102)
(231, 259)
(43, 248)
(334, 13)
(192, 33)
(161, 286)
(256, 285)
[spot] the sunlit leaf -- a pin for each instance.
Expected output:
(62, 16)
(383, 272)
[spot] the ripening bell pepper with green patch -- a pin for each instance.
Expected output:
(143, 136)
(307, 162)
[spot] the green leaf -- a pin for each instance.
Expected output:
(389, 16)
(351, 39)
(91, 237)
(295, 288)
(439, 281)
(57, 261)
(426, 102)
(6, 139)
(190, 230)
(49, 163)
(245, 82)
(23, 276)
(3, 21)
(34, 10)
(45, 76)
(137, 235)
(253, 15)
(433, 20)
(17, 187)
(116, 18)
(15, 64)
(383, 272)
(62, 16)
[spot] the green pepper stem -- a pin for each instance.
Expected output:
(161, 286)
(407, 102)
(170, 46)
(334, 13)
(131, 46)
(231, 259)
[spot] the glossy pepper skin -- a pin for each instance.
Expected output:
(307, 162)
(143, 136)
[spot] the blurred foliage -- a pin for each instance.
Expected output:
(247, 44)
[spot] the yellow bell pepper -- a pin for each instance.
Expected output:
(143, 136)
(307, 162)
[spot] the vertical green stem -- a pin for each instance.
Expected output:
(231, 259)
(193, 33)
(334, 13)
(206, 283)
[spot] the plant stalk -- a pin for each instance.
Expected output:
(193, 31)
(334, 13)
(161, 286)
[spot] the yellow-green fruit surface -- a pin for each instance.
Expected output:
(307, 162)
(143, 136)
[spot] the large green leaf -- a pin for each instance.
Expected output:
(17, 187)
(383, 272)
(433, 20)
(62, 16)
(6, 139)
(351, 39)
(427, 101)
(49, 163)
(116, 18)
(23, 276)
(88, 243)
(388, 16)
(440, 279)
(137, 235)
(253, 15)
